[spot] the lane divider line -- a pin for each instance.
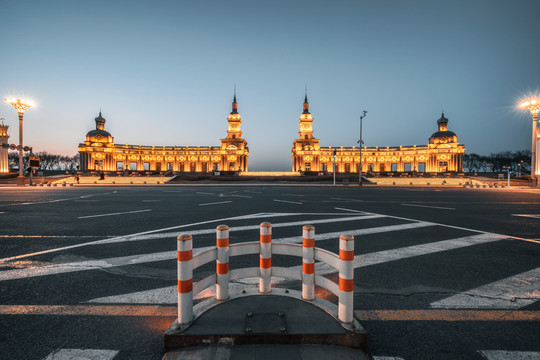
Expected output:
(289, 202)
(216, 203)
(430, 207)
(114, 214)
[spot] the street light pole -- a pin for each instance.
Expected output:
(20, 106)
(533, 105)
(360, 142)
(334, 170)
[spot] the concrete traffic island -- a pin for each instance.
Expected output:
(275, 321)
(265, 315)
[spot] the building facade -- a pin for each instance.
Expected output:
(100, 153)
(442, 154)
(4, 147)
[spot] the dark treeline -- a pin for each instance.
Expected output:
(48, 161)
(519, 161)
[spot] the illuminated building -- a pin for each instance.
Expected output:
(442, 154)
(100, 153)
(4, 168)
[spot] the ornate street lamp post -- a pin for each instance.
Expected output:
(533, 105)
(360, 142)
(20, 106)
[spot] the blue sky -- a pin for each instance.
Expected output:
(163, 72)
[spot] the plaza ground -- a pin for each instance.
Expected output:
(441, 273)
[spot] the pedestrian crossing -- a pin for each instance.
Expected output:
(394, 256)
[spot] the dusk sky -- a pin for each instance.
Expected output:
(163, 72)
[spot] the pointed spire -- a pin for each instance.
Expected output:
(306, 103)
(234, 104)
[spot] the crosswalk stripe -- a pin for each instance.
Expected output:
(412, 251)
(513, 292)
(90, 354)
(510, 355)
(157, 234)
(167, 295)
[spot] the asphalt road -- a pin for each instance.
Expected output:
(94, 269)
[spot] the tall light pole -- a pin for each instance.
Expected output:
(533, 105)
(20, 106)
(361, 142)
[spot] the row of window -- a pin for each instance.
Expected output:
(394, 168)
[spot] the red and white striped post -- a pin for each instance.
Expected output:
(308, 262)
(222, 262)
(265, 268)
(346, 278)
(185, 279)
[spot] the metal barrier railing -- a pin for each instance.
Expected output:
(343, 263)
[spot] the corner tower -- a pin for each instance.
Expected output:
(233, 146)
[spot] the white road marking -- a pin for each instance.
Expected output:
(255, 227)
(513, 292)
(293, 194)
(121, 238)
(86, 200)
(351, 210)
(290, 202)
(1, 212)
(510, 355)
(431, 207)
(52, 201)
(85, 265)
(534, 216)
(411, 251)
(113, 214)
(358, 232)
(215, 203)
(144, 258)
(87, 354)
(168, 295)
(243, 196)
(205, 193)
(151, 200)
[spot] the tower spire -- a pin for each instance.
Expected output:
(234, 104)
(306, 103)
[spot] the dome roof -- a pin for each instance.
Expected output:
(98, 133)
(442, 134)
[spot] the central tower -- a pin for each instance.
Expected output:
(306, 147)
(234, 146)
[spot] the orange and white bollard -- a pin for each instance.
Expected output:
(222, 262)
(265, 268)
(308, 262)
(346, 278)
(185, 279)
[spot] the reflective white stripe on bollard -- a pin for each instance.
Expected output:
(185, 279)
(346, 278)
(265, 268)
(308, 262)
(222, 262)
